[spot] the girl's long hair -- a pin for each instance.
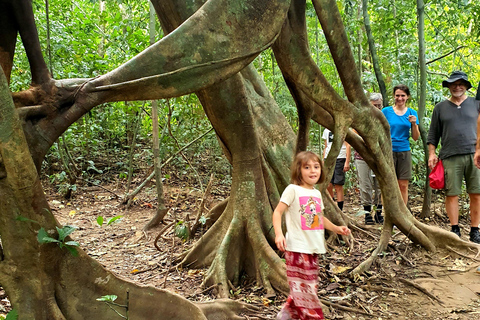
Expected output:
(296, 169)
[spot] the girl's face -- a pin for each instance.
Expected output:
(310, 171)
(401, 98)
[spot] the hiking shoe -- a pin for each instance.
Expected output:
(475, 236)
(457, 232)
(378, 217)
(369, 219)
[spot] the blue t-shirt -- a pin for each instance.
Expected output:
(399, 128)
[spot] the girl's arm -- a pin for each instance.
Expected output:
(277, 226)
(343, 230)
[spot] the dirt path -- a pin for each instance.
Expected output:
(125, 249)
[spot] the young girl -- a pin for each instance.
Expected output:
(305, 237)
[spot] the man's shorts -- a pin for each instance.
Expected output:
(402, 161)
(338, 174)
(457, 167)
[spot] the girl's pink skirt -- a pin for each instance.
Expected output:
(302, 276)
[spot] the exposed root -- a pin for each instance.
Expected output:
(226, 309)
(464, 255)
(382, 245)
(339, 306)
(422, 289)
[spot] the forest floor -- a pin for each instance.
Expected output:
(406, 282)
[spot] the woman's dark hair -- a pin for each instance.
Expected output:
(402, 87)
(296, 169)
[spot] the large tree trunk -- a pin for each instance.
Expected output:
(255, 136)
(422, 89)
(45, 282)
(373, 53)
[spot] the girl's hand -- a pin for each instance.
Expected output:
(412, 119)
(343, 230)
(280, 242)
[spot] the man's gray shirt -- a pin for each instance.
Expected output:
(455, 126)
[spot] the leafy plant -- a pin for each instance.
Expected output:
(110, 301)
(100, 220)
(43, 237)
(181, 230)
(12, 315)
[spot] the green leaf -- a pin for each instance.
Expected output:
(64, 232)
(112, 220)
(110, 298)
(100, 221)
(72, 250)
(181, 231)
(12, 315)
(25, 219)
(72, 243)
(202, 220)
(43, 237)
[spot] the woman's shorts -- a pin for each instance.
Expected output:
(402, 162)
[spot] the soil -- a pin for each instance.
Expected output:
(406, 282)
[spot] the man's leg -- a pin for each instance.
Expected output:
(339, 191)
(403, 184)
(474, 209)
(330, 189)
(451, 205)
(474, 217)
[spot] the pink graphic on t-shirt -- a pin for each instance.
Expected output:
(311, 213)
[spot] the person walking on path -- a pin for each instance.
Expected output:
(342, 165)
(369, 188)
(305, 238)
(402, 120)
(454, 124)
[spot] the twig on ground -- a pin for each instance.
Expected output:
(196, 223)
(145, 270)
(420, 288)
(97, 185)
(364, 231)
(374, 288)
(463, 255)
(401, 255)
(203, 291)
(339, 306)
(168, 226)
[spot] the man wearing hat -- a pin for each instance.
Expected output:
(454, 124)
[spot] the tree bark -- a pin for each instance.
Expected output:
(373, 53)
(427, 194)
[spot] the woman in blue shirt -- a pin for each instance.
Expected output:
(402, 119)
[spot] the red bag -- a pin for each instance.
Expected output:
(437, 176)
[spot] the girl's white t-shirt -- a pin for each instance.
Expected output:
(304, 219)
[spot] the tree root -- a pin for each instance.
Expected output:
(464, 255)
(422, 289)
(349, 309)
(226, 309)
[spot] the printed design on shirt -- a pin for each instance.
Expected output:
(330, 137)
(311, 213)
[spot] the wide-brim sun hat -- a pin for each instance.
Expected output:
(455, 76)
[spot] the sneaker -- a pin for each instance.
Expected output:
(475, 236)
(378, 217)
(457, 232)
(369, 219)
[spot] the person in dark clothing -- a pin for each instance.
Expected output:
(454, 123)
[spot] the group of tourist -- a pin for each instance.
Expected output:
(454, 124)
